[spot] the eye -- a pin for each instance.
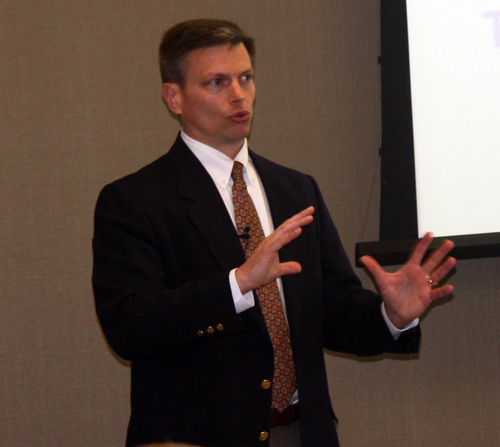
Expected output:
(246, 78)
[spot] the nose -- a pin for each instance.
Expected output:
(236, 92)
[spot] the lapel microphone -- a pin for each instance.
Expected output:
(246, 234)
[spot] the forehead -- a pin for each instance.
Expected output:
(222, 59)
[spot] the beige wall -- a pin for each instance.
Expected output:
(81, 106)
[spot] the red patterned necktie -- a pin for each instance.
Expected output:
(251, 235)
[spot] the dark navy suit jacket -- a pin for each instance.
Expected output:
(164, 245)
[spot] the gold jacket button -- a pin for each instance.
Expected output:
(263, 436)
(220, 327)
(210, 329)
(265, 384)
(201, 333)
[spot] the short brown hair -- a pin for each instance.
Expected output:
(185, 37)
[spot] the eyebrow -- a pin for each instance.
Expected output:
(225, 74)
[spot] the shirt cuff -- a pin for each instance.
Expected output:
(241, 302)
(394, 330)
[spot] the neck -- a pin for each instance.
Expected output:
(229, 150)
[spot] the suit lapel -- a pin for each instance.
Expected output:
(208, 213)
(282, 200)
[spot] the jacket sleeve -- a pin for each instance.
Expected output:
(146, 305)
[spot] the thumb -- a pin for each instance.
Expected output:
(289, 268)
(372, 266)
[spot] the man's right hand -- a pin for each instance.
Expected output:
(263, 266)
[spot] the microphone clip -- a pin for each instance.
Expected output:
(246, 234)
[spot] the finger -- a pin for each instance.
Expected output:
(437, 275)
(299, 220)
(437, 256)
(420, 249)
(304, 214)
(276, 241)
(440, 292)
(287, 231)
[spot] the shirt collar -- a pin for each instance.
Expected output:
(217, 164)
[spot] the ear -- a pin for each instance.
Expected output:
(172, 95)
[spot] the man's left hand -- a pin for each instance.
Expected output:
(408, 292)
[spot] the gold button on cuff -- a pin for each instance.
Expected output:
(265, 384)
(263, 436)
(201, 333)
(210, 329)
(220, 327)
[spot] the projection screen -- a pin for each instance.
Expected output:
(440, 68)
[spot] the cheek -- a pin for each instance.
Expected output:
(209, 117)
(251, 94)
(213, 110)
(201, 110)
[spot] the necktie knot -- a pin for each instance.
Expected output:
(237, 172)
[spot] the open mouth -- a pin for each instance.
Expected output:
(240, 116)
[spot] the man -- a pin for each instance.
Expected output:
(225, 328)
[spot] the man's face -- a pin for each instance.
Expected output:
(216, 101)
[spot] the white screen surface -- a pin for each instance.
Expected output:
(455, 80)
